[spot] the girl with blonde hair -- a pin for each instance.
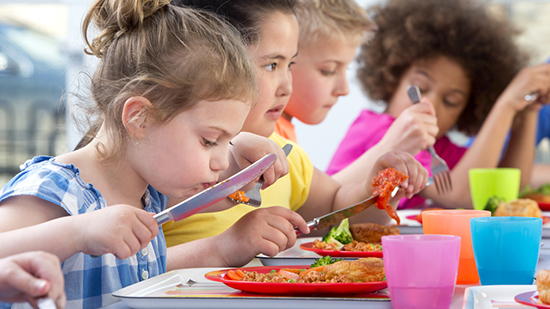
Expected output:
(171, 92)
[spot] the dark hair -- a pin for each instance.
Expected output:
(413, 30)
(245, 15)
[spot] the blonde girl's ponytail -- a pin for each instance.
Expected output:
(113, 18)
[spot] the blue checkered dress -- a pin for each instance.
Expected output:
(89, 281)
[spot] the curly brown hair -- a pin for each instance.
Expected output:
(414, 30)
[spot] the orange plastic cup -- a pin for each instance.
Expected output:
(456, 222)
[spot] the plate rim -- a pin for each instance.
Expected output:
(339, 253)
(529, 301)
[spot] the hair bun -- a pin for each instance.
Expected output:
(113, 18)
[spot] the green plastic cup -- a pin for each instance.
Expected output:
(488, 182)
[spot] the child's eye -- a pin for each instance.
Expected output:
(271, 67)
(208, 143)
(290, 64)
(328, 73)
(450, 103)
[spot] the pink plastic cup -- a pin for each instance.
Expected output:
(421, 270)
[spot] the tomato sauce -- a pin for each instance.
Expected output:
(383, 184)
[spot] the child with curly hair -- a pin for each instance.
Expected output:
(330, 33)
(464, 61)
(171, 91)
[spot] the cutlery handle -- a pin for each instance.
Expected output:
(312, 225)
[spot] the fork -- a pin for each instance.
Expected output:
(440, 169)
(254, 196)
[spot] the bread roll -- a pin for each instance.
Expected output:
(519, 208)
(543, 286)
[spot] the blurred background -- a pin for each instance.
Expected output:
(43, 74)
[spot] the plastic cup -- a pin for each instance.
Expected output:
(456, 222)
(506, 249)
(487, 182)
(421, 270)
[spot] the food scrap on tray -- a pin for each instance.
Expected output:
(239, 197)
(361, 270)
(383, 184)
(364, 237)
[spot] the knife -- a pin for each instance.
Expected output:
(217, 192)
(339, 215)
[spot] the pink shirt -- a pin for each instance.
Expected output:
(368, 129)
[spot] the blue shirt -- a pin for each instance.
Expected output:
(89, 281)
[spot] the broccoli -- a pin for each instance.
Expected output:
(493, 203)
(527, 191)
(332, 240)
(545, 189)
(325, 260)
(339, 235)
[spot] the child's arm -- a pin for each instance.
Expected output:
(414, 130)
(520, 152)
(28, 223)
(486, 150)
(540, 175)
(265, 230)
(31, 275)
(327, 195)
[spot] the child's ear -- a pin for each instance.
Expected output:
(134, 115)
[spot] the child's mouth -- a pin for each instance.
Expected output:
(275, 113)
(207, 185)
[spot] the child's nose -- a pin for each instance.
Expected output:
(342, 87)
(219, 161)
(285, 85)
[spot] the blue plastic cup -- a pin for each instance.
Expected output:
(506, 249)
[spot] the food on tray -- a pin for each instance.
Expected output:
(324, 261)
(371, 232)
(359, 246)
(493, 202)
(363, 237)
(339, 236)
(383, 184)
(362, 270)
(543, 286)
(540, 194)
(355, 246)
(519, 208)
(239, 197)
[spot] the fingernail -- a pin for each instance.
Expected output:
(40, 284)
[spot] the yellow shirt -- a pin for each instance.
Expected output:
(290, 191)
